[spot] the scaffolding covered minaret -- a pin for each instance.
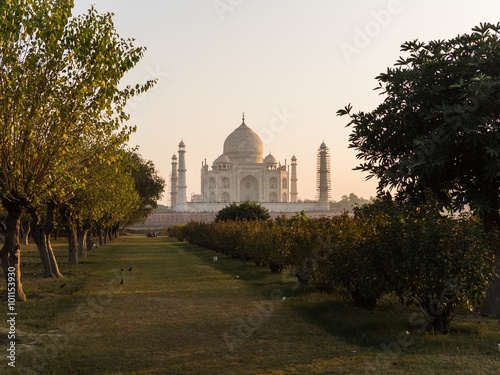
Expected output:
(323, 177)
(293, 181)
(182, 186)
(173, 183)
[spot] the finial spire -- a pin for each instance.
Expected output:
(243, 117)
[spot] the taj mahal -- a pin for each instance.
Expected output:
(242, 173)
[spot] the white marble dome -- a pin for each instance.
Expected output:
(243, 145)
(270, 159)
(223, 159)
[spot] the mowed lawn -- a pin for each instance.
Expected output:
(155, 306)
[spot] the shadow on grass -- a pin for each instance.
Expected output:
(353, 325)
(390, 331)
(331, 313)
(246, 271)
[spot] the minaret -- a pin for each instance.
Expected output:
(173, 183)
(323, 177)
(182, 186)
(293, 181)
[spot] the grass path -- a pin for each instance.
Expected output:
(171, 315)
(178, 312)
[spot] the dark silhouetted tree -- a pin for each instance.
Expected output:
(437, 132)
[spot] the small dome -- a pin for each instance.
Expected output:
(270, 159)
(223, 159)
(294, 158)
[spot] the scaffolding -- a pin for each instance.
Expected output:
(173, 182)
(323, 184)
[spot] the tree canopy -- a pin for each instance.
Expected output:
(243, 211)
(437, 130)
(148, 183)
(61, 106)
(59, 93)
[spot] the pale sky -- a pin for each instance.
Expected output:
(288, 64)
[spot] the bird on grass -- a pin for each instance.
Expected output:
(130, 269)
(121, 282)
(62, 286)
(122, 269)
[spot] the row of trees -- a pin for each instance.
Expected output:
(62, 128)
(428, 260)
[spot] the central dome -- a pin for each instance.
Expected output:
(243, 145)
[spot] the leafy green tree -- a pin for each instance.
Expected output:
(59, 100)
(243, 211)
(109, 198)
(119, 203)
(438, 128)
(148, 183)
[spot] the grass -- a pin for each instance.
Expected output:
(178, 312)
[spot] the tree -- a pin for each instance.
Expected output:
(438, 129)
(59, 98)
(243, 211)
(109, 198)
(148, 183)
(41, 233)
(435, 262)
(348, 203)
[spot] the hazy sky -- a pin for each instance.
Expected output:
(288, 64)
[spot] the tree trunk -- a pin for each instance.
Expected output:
(83, 232)
(53, 260)
(105, 235)
(90, 241)
(99, 234)
(41, 236)
(491, 304)
(50, 224)
(82, 239)
(116, 230)
(41, 243)
(72, 243)
(10, 255)
(26, 232)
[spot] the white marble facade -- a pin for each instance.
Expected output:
(241, 173)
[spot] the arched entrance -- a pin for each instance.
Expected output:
(249, 189)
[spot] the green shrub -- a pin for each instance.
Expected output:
(430, 260)
(434, 262)
(359, 255)
(245, 211)
(442, 264)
